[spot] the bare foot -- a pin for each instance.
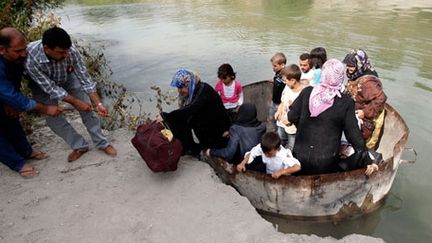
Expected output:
(28, 171)
(38, 155)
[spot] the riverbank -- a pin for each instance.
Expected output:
(104, 199)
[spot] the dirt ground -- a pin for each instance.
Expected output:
(104, 199)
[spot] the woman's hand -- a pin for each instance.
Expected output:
(159, 118)
(371, 169)
(360, 114)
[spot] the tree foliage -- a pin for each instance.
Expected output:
(20, 13)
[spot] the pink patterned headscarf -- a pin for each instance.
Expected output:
(322, 96)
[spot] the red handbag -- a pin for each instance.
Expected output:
(155, 149)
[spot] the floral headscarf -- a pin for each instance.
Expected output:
(185, 78)
(360, 60)
(322, 95)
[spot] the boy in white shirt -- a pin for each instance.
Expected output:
(287, 132)
(277, 159)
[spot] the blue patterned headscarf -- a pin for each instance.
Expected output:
(185, 78)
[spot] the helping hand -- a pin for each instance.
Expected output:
(102, 110)
(52, 110)
(82, 106)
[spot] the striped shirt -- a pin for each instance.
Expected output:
(51, 75)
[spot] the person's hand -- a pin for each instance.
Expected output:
(225, 134)
(276, 174)
(241, 167)
(286, 122)
(82, 106)
(360, 114)
(102, 110)
(159, 118)
(52, 110)
(10, 112)
(371, 169)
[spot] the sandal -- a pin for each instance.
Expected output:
(38, 155)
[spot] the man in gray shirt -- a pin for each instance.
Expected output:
(59, 74)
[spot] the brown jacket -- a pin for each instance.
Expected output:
(368, 95)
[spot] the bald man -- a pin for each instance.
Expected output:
(14, 146)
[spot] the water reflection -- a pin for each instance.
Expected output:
(365, 225)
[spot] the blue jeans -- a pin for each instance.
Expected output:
(287, 140)
(14, 146)
(271, 120)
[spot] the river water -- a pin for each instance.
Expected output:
(147, 41)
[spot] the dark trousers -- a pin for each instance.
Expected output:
(14, 146)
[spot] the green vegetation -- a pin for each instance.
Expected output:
(21, 13)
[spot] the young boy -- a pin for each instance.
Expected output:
(277, 159)
(278, 62)
(307, 74)
(291, 75)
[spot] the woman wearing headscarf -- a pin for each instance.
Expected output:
(321, 114)
(366, 89)
(358, 64)
(244, 134)
(200, 110)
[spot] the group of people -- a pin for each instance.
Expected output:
(314, 116)
(56, 73)
(318, 123)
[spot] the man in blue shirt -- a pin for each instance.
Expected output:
(14, 146)
(59, 74)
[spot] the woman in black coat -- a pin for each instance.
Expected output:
(200, 110)
(321, 114)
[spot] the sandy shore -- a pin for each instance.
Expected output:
(104, 199)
